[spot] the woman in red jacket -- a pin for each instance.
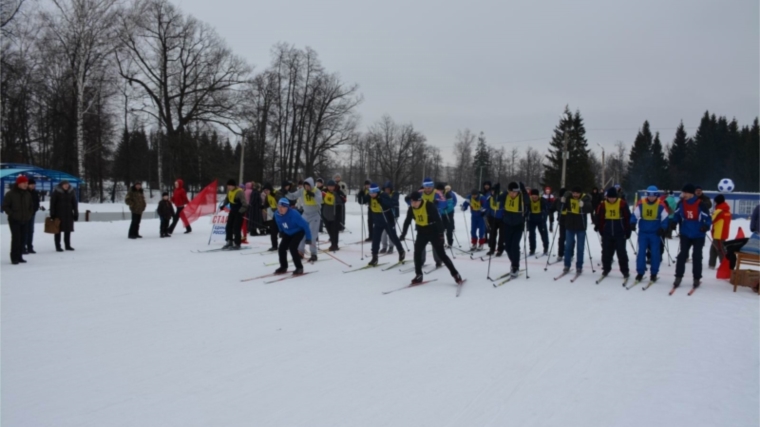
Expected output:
(179, 198)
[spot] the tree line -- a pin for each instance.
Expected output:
(115, 91)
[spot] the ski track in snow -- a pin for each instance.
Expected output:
(128, 333)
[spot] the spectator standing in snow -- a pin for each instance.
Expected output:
(29, 242)
(755, 221)
(136, 201)
(165, 213)
(721, 224)
(180, 200)
(64, 206)
(343, 187)
(17, 205)
(238, 207)
(703, 197)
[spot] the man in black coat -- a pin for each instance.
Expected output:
(29, 242)
(17, 204)
(64, 206)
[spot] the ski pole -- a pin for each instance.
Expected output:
(525, 249)
(525, 229)
(465, 222)
(361, 208)
(334, 257)
(588, 246)
(554, 236)
(397, 229)
(662, 241)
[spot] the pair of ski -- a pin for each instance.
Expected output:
(625, 281)
(565, 273)
(507, 278)
(636, 282)
(412, 285)
(690, 293)
(291, 276)
(205, 251)
(367, 267)
(264, 252)
(269, 264)
(411, 269)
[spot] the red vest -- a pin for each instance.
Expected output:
(690, 211)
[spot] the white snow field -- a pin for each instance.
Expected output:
(146, 333)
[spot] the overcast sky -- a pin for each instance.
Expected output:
(508, 68)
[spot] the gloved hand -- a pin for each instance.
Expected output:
(672, 226)
(596, 228)
(402, 237)
(42, 208)
(308, 241)
(443, 239)
(627, 235)
(580, 203)
(661, 232)
(633, 227)
(704, 229)
(76, 217)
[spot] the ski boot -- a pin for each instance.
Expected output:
(438, 264)
(565, 270)
(677, 283)
(313, 258)
(474, 248)
(281, 270)
(578, 270)
(390, 250)
(401, 255)
(187, 231)
(272, 249)
(227, 246)
(373, 261)
(513, 274)
(382, 251)
(653, 278)
(489, 253)
(639, 277)
(499, 253)
(696, 284)
(417, 279)
(532, 252)
(458, 278)
(298, 272)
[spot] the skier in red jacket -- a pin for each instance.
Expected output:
(179, 198)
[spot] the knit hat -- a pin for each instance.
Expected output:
(720, 199)
(488, 183)
(21, 179)
(164, 194)
(448, 188)
(617, 186)
(474, 192)
(330, 182)
(374, 189)
(577, 189)
(653, 191)
(440, 187)
(512, 186)
(232, 182)
(320, 180)
(427, 182)
(367, 182)
(388, 184)
(688, 188)
(284, 202)
(697, 187)
(611, 193)
(268, 186)
(534, 192)
(415, 196)
(496, 188)
(32, 181)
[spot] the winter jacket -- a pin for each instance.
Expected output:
(311, 200)
(651, 217)
(706, 202)
(35, 201)
(574, 216)
(135, 200)
(165, 209)
(426, 217)
(721, 222)
(18, 204)
(332, 205)
(596, 199)
(254, 209)
(451, 202)
(672, 205)
(755, 221)
(293, 197)
(179, 198)
(64, 206)
(291, 223)
(620, 225)
(362, 197)
(494, 207)
(236, 200)
(381, 209)
(538, 210)
(694, 218)
(248, 191)
(477, 205)
(515, 210)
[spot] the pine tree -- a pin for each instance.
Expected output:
(659, 164)
(640, 170)
(678, 159)
(700, 157)
(578, 172)
(481, 163)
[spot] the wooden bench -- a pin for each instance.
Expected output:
(747, 260)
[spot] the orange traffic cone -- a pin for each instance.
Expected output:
(740, 234)
(724, 271)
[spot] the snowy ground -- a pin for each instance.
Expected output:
(146, 333)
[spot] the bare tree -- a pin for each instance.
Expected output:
(396, 148)
(8, 11)
(462, 174)
(531, 168)
(185, 71)
(83, 30)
